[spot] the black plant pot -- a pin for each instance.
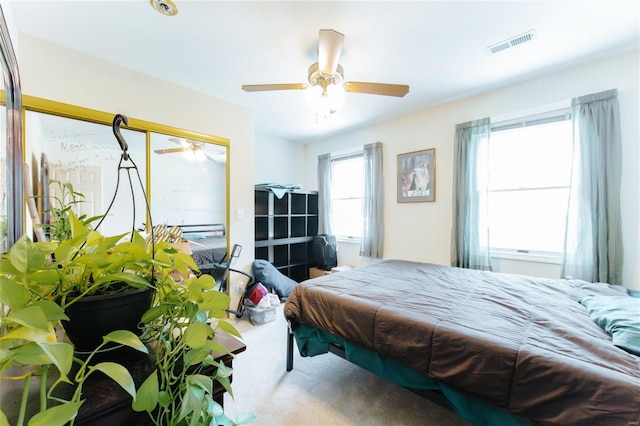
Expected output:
(92, 317)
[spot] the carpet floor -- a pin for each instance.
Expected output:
(321, 390)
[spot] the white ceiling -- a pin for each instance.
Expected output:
(436, 47)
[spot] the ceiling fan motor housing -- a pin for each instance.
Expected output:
(317, 78)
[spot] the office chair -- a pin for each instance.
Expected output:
(221, 274)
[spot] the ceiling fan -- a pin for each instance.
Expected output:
(193, 150)
(327, 73)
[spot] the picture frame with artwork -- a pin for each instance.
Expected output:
(417, 176)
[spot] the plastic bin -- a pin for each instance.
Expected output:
(259, 316)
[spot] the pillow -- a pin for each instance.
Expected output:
(270, 277)
(194, 237)
(619, 316)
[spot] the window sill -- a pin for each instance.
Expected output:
(552, 258)
(348, 240)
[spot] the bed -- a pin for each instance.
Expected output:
(208, 243)
(498, 348)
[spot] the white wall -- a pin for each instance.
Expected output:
(417, 231)
(421, 231)
(51, 72)
(278, 160)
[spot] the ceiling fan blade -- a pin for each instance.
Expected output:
(169, 150)
(398, 90)
(329, 49)
(217, 157)
(267, 87)
(177, 140)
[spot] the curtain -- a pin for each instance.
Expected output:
(470, 230)
(324, 193)
(593, 239)
(372, 241)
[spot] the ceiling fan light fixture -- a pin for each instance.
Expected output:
(317, 100)
(335, 92)
(322, 117)
(195, 155)
(313, 93)
(325, 93)
(324, 101)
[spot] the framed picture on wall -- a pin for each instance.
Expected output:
(417, 176)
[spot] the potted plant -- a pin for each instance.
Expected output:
(87, 269)
(64, 200)
(40, 284)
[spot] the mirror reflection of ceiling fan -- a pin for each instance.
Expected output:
(193, 150)
(326, 76)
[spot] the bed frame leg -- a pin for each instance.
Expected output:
(289, 347)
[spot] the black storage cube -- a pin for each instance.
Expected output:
(262, 228)
(262, 253)
(312, 204)
(298, 226)
(280, 255)
(280, 227)
(298, 253)
(281, 205)
(298, 203)
(262, 203)
(312, 226)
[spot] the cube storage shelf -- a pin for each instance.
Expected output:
(284, 230)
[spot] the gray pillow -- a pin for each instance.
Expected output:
(270, 277)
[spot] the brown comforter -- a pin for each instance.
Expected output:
(520, 343)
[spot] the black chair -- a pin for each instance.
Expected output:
(221, 274)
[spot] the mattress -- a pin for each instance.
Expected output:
(523, 344)
(208, 250)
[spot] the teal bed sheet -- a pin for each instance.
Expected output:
(312, 341)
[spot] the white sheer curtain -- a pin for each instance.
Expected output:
(372, 241)
(593, 243)
(324, 193)
(470, 231)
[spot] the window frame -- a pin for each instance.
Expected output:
(335, 159)
(555, 115)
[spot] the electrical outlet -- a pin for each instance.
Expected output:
(239, 287)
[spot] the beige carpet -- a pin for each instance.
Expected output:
(321, 390)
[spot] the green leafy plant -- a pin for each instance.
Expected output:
(62, 205)
(40, 280)
(182, 326)
(3, 230)
(86, 264)
(29, 345)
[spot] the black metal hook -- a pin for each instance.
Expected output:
(117, 120)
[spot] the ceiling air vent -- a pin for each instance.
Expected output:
(512, 42)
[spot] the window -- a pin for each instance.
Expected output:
(529, 170)
(347, 183)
